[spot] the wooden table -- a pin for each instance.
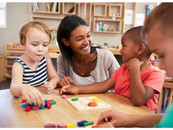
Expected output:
(13, 115)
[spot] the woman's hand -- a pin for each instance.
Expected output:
(67, 81)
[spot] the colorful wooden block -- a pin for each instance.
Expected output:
(62, 125)
(94, 126)
(50, 125)
(96, 100)
(88, 123)
(24, 100)
(25, 105)
(42, 106)
(52, 102)
(35, 108)
(70, 125)
(27, 109)
(48, 104)
(92, 104)
(81, 123)
(74, 99)
(64, 97)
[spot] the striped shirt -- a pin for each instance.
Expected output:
(34, 77)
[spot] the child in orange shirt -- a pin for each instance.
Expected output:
(136, 79)
(158, 32)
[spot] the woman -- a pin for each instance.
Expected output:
(77, 64)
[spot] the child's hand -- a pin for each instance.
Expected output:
(32, 95)
(133, 63)
(69, 89)
(113, 118)
(48, 87)
(67, 81)
(105, 125)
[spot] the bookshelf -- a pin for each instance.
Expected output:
(92, 13)
(108, 20)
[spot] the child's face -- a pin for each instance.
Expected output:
(80, 40)
(128, 49)
(162, 45)
(37, 43)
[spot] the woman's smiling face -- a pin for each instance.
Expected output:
(80, 40)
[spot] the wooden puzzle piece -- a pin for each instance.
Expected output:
(82, 103)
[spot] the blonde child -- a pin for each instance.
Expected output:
(34, 67)
(158, 31)
(136, 79)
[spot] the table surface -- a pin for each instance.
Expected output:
(12, 114)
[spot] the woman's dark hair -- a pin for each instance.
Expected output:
(67, 25)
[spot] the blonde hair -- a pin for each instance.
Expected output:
(162, 14)
(34, 24)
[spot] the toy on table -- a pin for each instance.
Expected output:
(83, 123)
(64, 97)
(92, 104)
(86, 103)
(28, 107)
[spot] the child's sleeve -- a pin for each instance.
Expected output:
(155, 81)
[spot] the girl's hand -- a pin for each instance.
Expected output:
(48, 86)
(67, 81)
(32, 95)
(69, 89)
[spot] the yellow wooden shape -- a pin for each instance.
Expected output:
(70, 125)
(96, 100)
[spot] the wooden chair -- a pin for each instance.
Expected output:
(165, 97)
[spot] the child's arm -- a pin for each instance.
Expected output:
(99, 87)
(52, 75)
(139, 94)
(17, 88)
(118, 119)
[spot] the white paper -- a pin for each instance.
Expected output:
(128, 17)
(139, 19)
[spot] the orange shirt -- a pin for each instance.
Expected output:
(150, 77)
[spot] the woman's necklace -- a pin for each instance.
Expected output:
(82, 73)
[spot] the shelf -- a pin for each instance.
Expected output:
(12, 57)
(9, 66)
(54, 49)
(69, 8)
(7, 75)
(85, 12)
(45, 8)
(107, 31)
(113, 50)
(45, 17)
(113, 26)
(115, 9)
(100, 10)
(45, 12)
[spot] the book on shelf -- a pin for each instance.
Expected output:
(55, 7)
(35, 6)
